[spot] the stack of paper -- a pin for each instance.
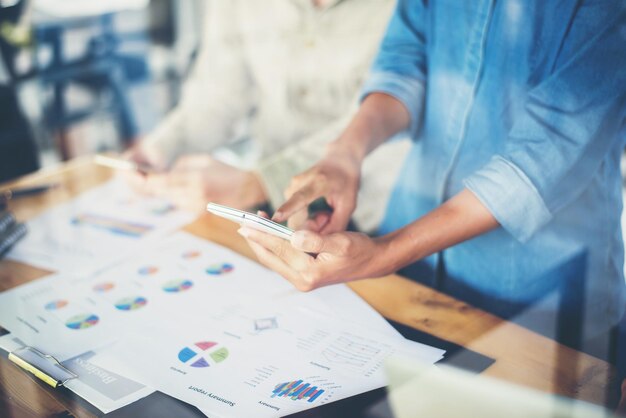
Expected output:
(97, 228)
(205, 325)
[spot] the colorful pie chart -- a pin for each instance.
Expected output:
(148, 270)
(103, 287)
(175, 286)
(203, 354)
(131, 304)
(56, 304)
(82, 321)
(163, 209)
(221, 268)
(190, 255)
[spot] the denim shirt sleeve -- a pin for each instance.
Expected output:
(570, 122)
(400, 67)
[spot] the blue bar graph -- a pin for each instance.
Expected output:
(297, 390)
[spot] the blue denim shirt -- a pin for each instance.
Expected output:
(523, 102)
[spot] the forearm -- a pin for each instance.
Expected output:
(380, 117)
(461, 218)
(169, 137)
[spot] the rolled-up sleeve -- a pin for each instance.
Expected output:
(510, 196)
(400, 66)
(570, 124)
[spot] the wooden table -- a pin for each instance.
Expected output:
(522, 356)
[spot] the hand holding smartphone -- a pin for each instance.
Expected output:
(119, 163)
(250, 220)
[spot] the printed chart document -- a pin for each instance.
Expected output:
(263, 361)
(194, 307)
(96, 228)
(103, 389)
(70, 314)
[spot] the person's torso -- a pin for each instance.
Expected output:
(483, 59)
(306, 64)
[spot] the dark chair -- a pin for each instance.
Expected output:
(18, 152)
(103, 69)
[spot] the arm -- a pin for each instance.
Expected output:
(572, 120)
(217, 94)
(380, 117)
(347, 256)
(336, 177)
(393, 101)
(377, 176)
(459, 219)
(276, 172)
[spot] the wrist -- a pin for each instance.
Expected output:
(385, 259)
(398, 250)
(350, 145)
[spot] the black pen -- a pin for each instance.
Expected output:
(26, 191)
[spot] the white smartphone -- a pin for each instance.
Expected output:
(250, 220)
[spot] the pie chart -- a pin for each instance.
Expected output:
(103, 287)
(82, 321)
(175, 286)
(190, 255)
(131, 304)
(203, 354)
(148, 270)
(221, 268)
(56, 304)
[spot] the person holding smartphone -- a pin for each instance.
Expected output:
(512, 188)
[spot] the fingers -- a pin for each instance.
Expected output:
(279, 255)
(136, 181)
(271, 261)
(146, 156)
(312, 242)
(298, 201)
(156, 184)
(279, 246)
(298, 219)
(338, 220)
(307, 241)
(343, 207)
(317, 222)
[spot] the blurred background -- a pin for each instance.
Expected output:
(78, 78)
(91, 76)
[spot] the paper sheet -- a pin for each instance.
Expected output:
(183, 291)
(261, 361)
(105, 390)
(96, 228)
(70, 314)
